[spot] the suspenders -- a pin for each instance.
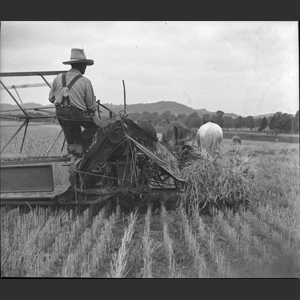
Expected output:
(67, 99)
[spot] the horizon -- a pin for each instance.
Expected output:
(208, 111)
(245, 67)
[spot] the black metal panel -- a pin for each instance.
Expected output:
(26, 178)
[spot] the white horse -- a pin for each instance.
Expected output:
(209, 137)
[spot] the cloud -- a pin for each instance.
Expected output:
(240, 67)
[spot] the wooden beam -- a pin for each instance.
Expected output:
(35, 73)
(29, 85)
(34, 160)
(23, 110)
(32, 108)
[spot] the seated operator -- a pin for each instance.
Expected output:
(75, 103)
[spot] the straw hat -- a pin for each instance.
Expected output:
(78, 56)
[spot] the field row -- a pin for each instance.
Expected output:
(167, 238)
(162, 241)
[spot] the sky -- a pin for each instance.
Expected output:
(241, 67)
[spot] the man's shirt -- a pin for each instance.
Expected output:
(81, 93)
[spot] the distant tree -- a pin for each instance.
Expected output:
(281, 122)
(285, 122)
(248, 122)
(206, 118)
(269, 118)
(172, 117)
(153, 117)
(251, 123)
(146, 115)
(264, 123)
(257, 122)
(181, 118)
(228, 122)
(164, 117)
(238, 122)
(194, 115)
(220, 113)
(218, 118)
(135, 116)
(193, 121)
(296, 122)
(274, 122)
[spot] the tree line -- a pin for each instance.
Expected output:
(279, 122)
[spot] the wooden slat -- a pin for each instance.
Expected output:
(34, 73)
(31, 108)
(24, 159)
(34, 195)
(28, 202)
(29, 85)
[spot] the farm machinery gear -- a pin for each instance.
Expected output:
(123, 161)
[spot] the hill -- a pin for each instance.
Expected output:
(204, 111)
(7, 106)
(159, 107)
(162, 106)
(265, 115)
(13, 109)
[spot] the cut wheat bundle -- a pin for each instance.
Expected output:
(165, 154)
(215, 182)
(170, 161)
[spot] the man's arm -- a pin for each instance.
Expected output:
(52, 91)
(90, 98)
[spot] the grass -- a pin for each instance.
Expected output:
(165, 240)
(119, 259)
(262, 136)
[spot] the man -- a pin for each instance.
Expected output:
(75, 103)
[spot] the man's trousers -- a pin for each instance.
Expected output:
(71, 119)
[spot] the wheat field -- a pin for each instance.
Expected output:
(162, 238)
